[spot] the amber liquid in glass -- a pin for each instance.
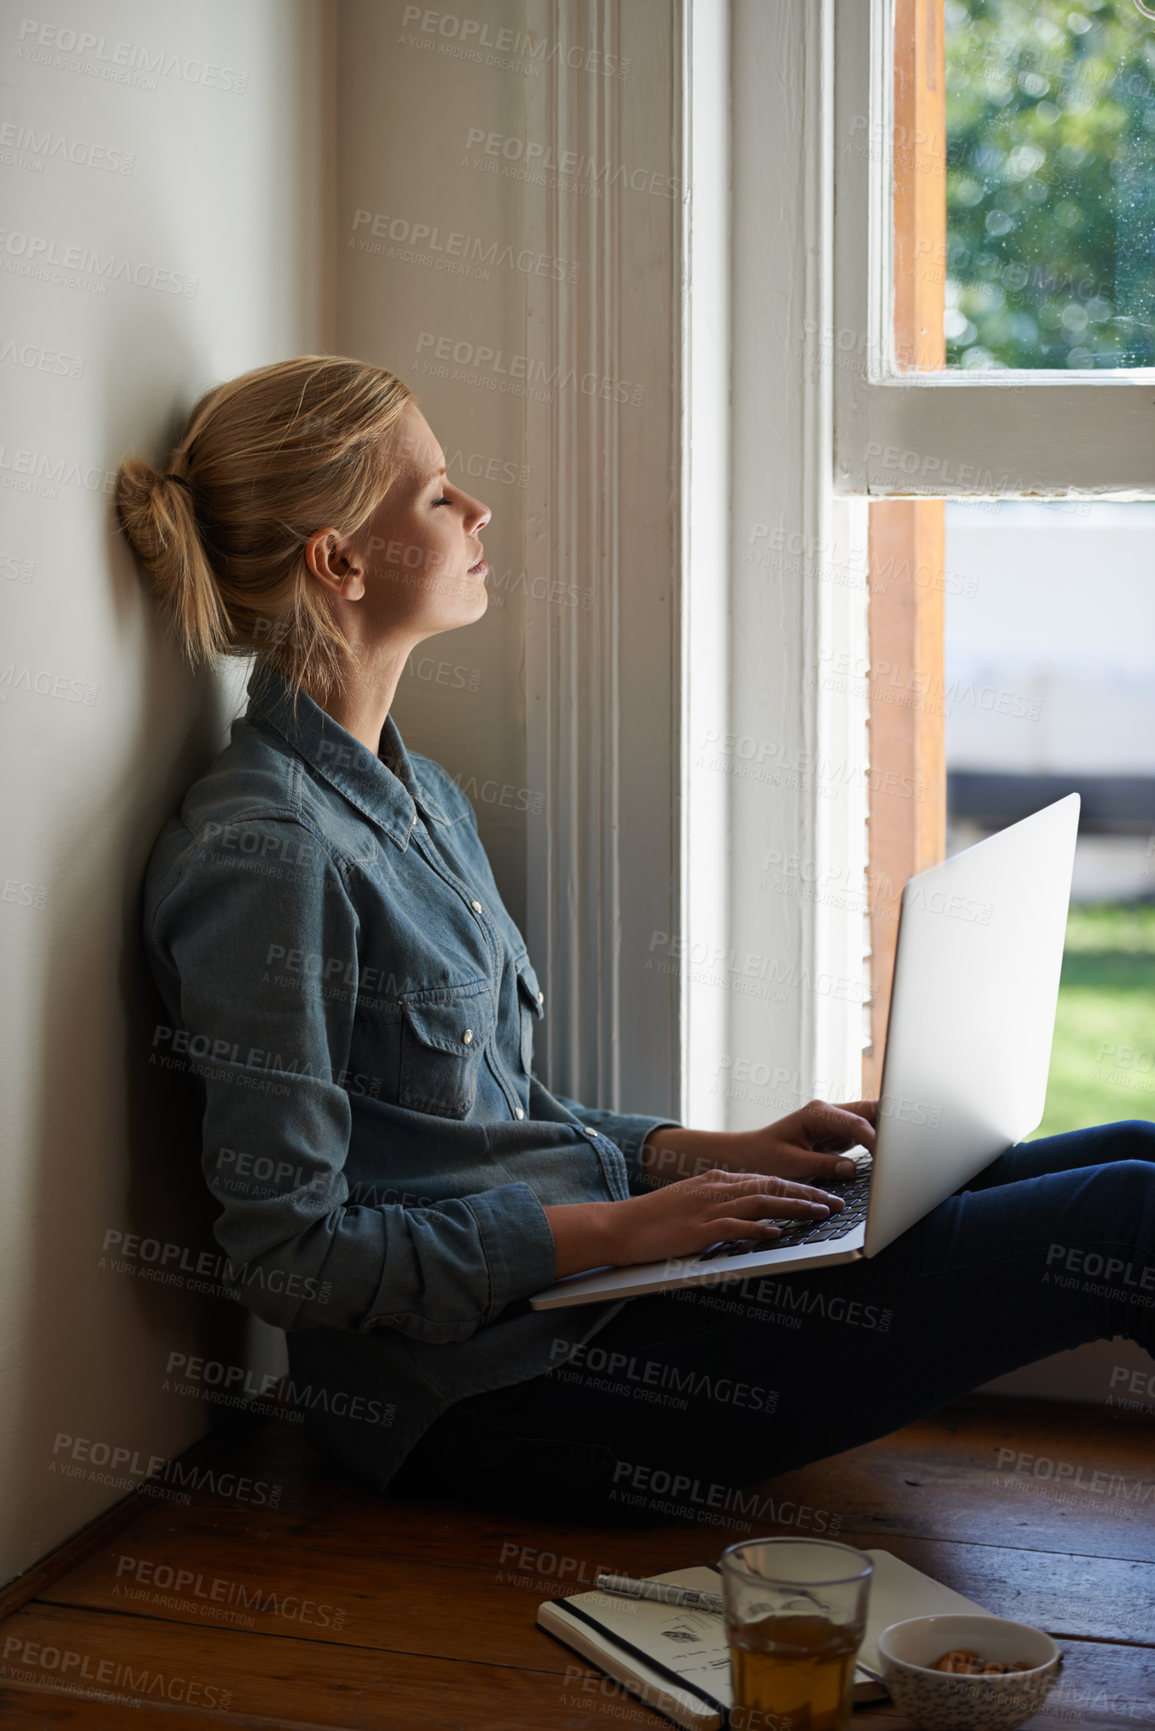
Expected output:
(793, 1674)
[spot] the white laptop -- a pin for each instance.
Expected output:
(968, 1048)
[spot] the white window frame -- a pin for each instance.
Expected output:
(995, 434)
(797, 839)
(603, 688)
(700, 927)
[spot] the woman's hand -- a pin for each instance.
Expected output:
(680, 1219)
(712, 1184)
(807, 1144)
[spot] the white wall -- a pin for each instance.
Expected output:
(409, 100)
(218, 117)
(510, 241)
(1050, 657)
(1050, 636)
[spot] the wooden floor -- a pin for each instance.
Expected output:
(375, 1615)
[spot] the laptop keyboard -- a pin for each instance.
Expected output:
(855, 1193)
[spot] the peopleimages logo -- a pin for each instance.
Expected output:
(656, 1374)
(659, 1488)
(76, 1457)
(71, 50)
(84, 264)
(72, 1667)
(219, 1590)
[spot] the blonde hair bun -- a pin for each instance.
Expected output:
(265, 461)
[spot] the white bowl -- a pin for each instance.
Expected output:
(942, 1701)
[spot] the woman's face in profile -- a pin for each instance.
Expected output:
(424, 559)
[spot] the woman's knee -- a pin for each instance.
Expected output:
(1110, 1202)
(1129, 1139)
(1119, 1202)
(1132, 1140)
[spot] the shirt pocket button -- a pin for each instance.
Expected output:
(440, 1055)
(531, 1000)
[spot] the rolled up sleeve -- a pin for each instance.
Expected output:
(270, 1046)
(627, 1129)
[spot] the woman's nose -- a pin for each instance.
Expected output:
(478, 516)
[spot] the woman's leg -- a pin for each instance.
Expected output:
(721, 1388)
(1131, 1139)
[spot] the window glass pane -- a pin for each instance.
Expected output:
(1050, 183)
(1046, 695)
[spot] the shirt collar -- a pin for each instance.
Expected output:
(386, 788)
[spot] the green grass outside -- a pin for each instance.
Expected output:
(1103, 1060)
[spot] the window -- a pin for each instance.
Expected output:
(1008, 254)
(1050, 184)
(993, 426)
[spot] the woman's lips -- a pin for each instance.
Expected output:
(481, 569)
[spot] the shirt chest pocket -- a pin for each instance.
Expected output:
(530, 1001)
(444, 1033)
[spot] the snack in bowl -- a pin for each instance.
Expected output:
(965, 1662)
(1014, 1669)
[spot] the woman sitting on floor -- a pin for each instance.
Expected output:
(394, 1181)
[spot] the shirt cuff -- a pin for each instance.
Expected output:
(628, 1130)
(639, 1183)
(517, 1244)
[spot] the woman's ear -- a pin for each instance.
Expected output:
(335, 563)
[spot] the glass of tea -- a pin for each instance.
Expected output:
(795, 1613)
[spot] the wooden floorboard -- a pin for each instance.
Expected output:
(1095, 1599)
(338, 1608)
(357, 1602)
(930, 1479)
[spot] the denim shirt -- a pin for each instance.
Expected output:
(340, 972)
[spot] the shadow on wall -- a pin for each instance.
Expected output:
(167, 1203)
(156, 1191)
(167, 1200)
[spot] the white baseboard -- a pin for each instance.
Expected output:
(1092, 1373)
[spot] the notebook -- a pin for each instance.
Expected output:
(677, 1661)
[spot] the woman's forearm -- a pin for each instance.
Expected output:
(583, 1235)
(592, 1234)
(673, 1152)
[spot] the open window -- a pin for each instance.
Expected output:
(994, 342)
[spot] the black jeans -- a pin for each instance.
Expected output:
(684, 1399)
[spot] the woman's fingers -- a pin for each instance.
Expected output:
(745, 1229)
(683, 1218)
(721, 1182)
(834, 1127)
(822, 1166)
(750, 1196)
(757, 1207)
(867, 1109)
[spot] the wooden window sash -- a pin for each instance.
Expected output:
(906, 822)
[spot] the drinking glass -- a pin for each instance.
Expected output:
(795, 1612)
